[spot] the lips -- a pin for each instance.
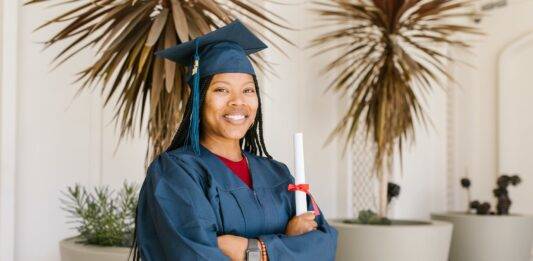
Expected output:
(235, 117)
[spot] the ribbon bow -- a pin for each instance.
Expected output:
(305, 188)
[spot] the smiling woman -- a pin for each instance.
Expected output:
(216, 193)
(229, 110)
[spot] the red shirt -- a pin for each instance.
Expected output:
(239, 168)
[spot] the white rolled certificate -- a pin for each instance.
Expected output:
(299, 174)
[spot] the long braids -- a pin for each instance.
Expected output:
(181, 138)
(253, 140)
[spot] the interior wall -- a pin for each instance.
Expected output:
(61, 140)
(296, 101)
(8, 81)
(514, 122)
(423, 173)
(476, 106)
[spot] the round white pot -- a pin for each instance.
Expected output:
(489, 238)
(402, 241)
(72, 251)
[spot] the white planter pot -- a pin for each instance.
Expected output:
(72, 251)
(488, 238)
(401, 241)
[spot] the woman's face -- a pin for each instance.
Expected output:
(230, 106)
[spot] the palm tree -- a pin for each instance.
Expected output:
(126, 34)
(390, 55)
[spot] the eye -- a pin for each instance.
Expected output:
(249, 90)
(220, 89)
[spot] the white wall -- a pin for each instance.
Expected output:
(423, 179)
(466, 139)
(295, 102)
(515, 139)
(61, 140)
(476, 107)
(8, 45)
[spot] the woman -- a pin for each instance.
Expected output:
(216, 193)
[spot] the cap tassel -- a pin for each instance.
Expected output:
(194, 126)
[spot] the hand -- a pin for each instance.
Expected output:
(301, 224)
(233, 246)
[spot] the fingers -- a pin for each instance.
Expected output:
(314, 224)
(302, 224)
(308, 216)
(309, 221)
(311, 225)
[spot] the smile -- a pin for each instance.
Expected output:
(236, 118)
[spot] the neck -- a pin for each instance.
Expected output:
(226, 148)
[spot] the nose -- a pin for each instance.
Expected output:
(237, 99)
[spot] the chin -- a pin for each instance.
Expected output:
(234, 132)
(237, 135)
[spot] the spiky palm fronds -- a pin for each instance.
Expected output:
(126, 33)
(390, 54)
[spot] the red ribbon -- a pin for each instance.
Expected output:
(305, 188)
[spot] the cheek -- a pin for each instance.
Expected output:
(253, 103)
(211, 109)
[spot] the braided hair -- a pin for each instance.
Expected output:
(252, 141)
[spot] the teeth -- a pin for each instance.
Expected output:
(235, 117)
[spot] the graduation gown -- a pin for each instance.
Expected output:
(186, 201)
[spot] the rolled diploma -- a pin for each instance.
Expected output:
(300, 196)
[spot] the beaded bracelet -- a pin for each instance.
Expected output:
(264, 256)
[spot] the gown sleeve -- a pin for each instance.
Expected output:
(175, 219)
(320, 244)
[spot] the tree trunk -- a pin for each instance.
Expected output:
(383, 185)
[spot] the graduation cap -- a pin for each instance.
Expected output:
(224, 50)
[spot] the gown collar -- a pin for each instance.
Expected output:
(228, 180)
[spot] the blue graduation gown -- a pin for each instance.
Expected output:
(186, 201)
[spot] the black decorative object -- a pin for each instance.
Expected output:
(465, 183)
(393, 191)
(500, 192)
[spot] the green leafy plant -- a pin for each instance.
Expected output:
(102, 217)
(369, 217)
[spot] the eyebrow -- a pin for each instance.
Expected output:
(228, 83)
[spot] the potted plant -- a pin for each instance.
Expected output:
(367, 236)
(484, 234)
(104, 220)
(390, 53)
